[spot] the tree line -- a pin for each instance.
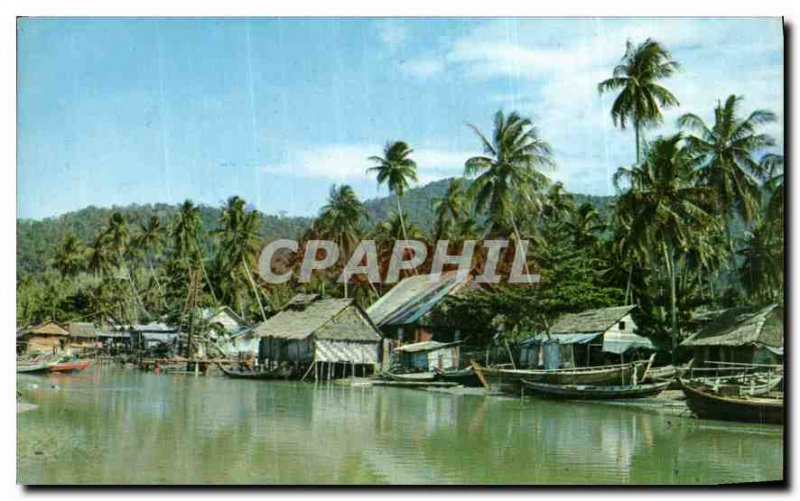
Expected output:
(669, 243)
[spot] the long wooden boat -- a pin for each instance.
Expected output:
(253, 374)
(33, 368)
(419, 377)
(70, 366)
(704, 404)
(464, 377)
(751, 385)
(593, 392)
(510, 379)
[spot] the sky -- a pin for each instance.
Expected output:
(118, 111)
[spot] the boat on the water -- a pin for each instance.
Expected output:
(279, 373)
(593, 392)
(464, 377)
(511, 379)
(69, 365)
(704, 403)
(419, 377)
(33, 367)
(753, 384)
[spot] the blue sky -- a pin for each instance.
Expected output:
(119, 111)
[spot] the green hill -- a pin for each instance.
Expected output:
(37, 240)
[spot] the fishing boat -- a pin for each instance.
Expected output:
(753, 384)
(510, 379)
(33, 367)
(419, 377)
(594, 392)
(279, 373)
(464, 377)
(69, 365)
(702, 401)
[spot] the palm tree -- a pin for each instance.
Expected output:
(641, 97)
(724, 152)
(450, 209)
(585, 225)
(341, 220)
(70, 257)
(239, 239)
(664, 210)
(100, 260)
(151, 240)
(772, 168)
(185, 229)
(119, 239)
(396, 169)
(761, 272)
(508, 177)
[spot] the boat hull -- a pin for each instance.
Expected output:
(418, 377)
(465, 377)
(748, 409)
(67, 368)
(591, 392)
(511, 379)
(256, 375)
(33, 368)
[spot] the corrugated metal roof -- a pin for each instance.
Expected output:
(620, 342)
(424, 346)
(742, 325)
(315, 318)
(599, 320)
(412, 297)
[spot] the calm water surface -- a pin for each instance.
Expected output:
(122, 426)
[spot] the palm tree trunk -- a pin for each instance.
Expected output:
(519, 239)
(638, 147)
(255, 290)
(158, 284)
(673, 301)
(403, 225)
(628, 287)
(205, 275)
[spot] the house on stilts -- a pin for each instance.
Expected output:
(746, 334)
(591, 337)
(320, 338)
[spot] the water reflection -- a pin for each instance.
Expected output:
(123, 426)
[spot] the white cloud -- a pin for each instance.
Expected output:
(555, 65)
(425, 67)
(348, 162)
(393, 34)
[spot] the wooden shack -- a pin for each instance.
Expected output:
(427, 356)
(401, 312)
(48, 337)
(591, 337)
(747, 334)
(83, 336)
(334, 336)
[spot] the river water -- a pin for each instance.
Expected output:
(122, 426)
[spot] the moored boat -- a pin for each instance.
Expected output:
(419, 377)
(70, 365)
(464, 377)
(279, 373)
(33, 368)
(702, 401)
(593, 392)
(510, 379)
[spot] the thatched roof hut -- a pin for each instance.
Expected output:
(750, 328)
(309, 329)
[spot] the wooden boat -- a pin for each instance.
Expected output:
(419, 377)
(33, 368)
(70, 366)
(279, 373)
(417, 384)
(705, 404)
(510, 379)
(593, 392)
(741, 385)
(464, 377)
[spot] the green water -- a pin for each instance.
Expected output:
(122, 426)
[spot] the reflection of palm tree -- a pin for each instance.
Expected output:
(641, 98)
(396, 169)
